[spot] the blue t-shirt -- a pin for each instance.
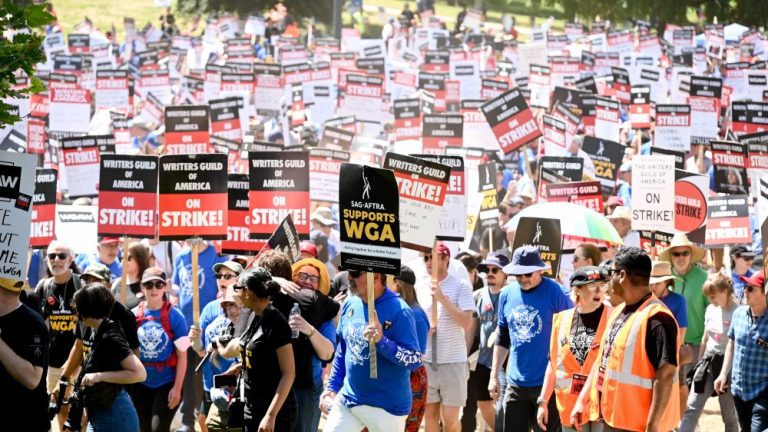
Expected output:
(85, 260)
(156, 346)
(422, 327)
(212, 330)
(739, 285)
(525, 326)
(676, 304)
(182, 270)
(487, 315)
(328, 330)
(397, 354)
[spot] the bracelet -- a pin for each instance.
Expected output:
(313, 332)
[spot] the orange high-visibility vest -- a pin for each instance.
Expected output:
(627, 382)
(565, 365)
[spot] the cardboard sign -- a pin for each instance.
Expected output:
(679, 157)
(452, 224)
(607, 119)
(511, 120)
(749, 117)
(112, 90)
(36, 136)
(279, 187)
(483, 213)
(653, 177)
(554, 131)
(127, 195)
(543, 234)
(268, 88)
(607, 157)
(691, 191)
(440, 131)
(238, 232)
(476, 126)
(81, 163)
(422, 185)
(673, 127)
(704, 100)
(539, 82)
(640, 108)
(571, 168)
(324, 168)
(70, 110)
(362, 97)
(17, 187)
(728, 220)
(585, 194)
(369, 208)
(285, 239)
(729, 162)
(337, 139)
(186, 130)
(193, 196)
(654, 242)
(225, 118)
(76, 227)
(42, 229)
(407, 119)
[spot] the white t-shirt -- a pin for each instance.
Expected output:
(717, 321)
(451, 345)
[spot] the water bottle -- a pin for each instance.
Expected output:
(294, 312)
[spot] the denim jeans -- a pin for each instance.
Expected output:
(753, 415)
(696, 402)
(308, 419)
(119, 417)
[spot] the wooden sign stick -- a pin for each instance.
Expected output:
(371, 312)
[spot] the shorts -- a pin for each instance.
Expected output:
(478, 382)
(205, 404)
(448, 384)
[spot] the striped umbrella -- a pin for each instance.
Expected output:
(576, 221)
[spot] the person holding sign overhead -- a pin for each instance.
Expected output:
(353, 400)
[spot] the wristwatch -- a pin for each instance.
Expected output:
(540, 401)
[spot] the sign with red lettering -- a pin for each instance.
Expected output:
(324, 168)
(36, 135)
(730, 166)
(336, 139)
(691, 191)
(193, 196)
(279, 187)
(81, 165)
(586, 194)
(640, 108)
(440, 131)
(225, 118)
(422, 185)
(70, 110)
(268, 88)
(704, 99)
(127, 195)
(554, 135)
(112, 90)
(407, 119)
(43, 229)
(607, 119)
(238, 224)
(728, 220)
(673, 127)
(452, 224)
(186, 130)
(511, 120)
(749, 117)
(654, 242)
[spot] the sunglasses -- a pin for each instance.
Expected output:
(527, 275)
(306, 276)
(225, 276)
(155, 284)
(61, 255)
(746, 258)
(428, 258)
(681, 254)
(494, 270)
(237, 287)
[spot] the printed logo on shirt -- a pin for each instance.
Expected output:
(37, 345)
(153, 340)
(357, 343)
(526, 323)
(185, 280)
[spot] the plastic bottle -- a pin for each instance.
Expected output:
(295, 310)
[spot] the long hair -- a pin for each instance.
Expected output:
(407, 293)
(140, 253)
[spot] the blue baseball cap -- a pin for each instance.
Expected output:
(495, 259)
(526, 259)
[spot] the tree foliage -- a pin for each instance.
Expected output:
(320, 10)
(21, 48)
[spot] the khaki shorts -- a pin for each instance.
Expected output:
(448, 384)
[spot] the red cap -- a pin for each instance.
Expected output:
(756, 280)
(109, 240)
(614, 201)
(442, 249)
(310, 248)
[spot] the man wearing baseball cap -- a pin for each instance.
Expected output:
(23, 362)
(526, 308)
(107, 251)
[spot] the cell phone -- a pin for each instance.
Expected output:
(222, 380)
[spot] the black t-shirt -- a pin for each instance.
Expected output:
(122, 316)
(108, 348)
(56, 308)
(261, 368)
(583, 331)
(25, 334)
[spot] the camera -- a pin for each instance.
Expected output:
(55, 406)
(222, 340)
(75, 417)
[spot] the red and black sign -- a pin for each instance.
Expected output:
(36, 136)
(81, 159)
(193, 196)
(728, 220)
(336, 139)
(621, 85)
(436, 61)
(186, 130)
(407, 119)
(654, 242)
(453, 222)
(238, 238)
(749, 117)
(544, 234)
(704, 98)
(640, 107)
(79, 43)
(586, 194)
(279, 187)
(691, 191)
(127, 195)
(729, 160)
(440, 131)
(511, 120)
(43, 228)
(435, 84)
(554, 135)
(679, 156)
(225, 118)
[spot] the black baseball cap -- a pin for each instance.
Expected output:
(587, 275)
(406, 275)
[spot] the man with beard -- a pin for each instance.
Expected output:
(107, 251)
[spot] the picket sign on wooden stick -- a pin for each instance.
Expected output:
(29, 262)
(434, 308)
(195, 283)
(371, 312)
(124, 275)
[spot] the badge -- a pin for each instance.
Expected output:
(387, 325)
(51, 300)
(577, 383)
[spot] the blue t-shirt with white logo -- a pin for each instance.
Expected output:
(216, 364)
(182, 271)
(156, 346)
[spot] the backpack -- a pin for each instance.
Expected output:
(165, 321)
(45, 307)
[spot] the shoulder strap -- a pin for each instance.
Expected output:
(77, 281)
(140, 312)
(165, 318)
(47, 292)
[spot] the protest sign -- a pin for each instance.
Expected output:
(483, 211)
(453, 217)
(42, 229)
(285, 239)
(476, 126)
(572, 120)
(193, 196)
(440, 131)
(728, 220)
(407, 119)
(279, 187)
(749, 117)
(76, 226)
(36, 136)
(607, 157)
(70, 110)
(653, 177)
(678, 156)
(511, 120)
(238, 232)
(730, 166)
(268, 88)
(691, 191)
(17, 187)
(324, 168)
(607, 121)
(543, 234)
(112, 90)
(539, 80)
(336, 139)
(571, 168)
(673, 127)
(369, 219)
(640, 108)
(362, 97)
(704, 99)
(225, 119)
(14, 142)
(127, 195)
(422, 185)
(554, 131)
(586, 194)
(654, 242)
(186, 130)
(81, 165)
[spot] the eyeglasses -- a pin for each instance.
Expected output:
(237, 287)
(225, 276)
(681, 254)
(61, 255)
(746, 258)
(613, 271)
(593, 287)
(155, 284)
(493, 270)
(306, 276)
